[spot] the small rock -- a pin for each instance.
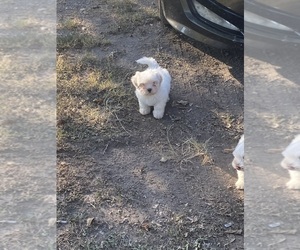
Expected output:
(229, 224)
(155, 206)
(62, 221)
(275, 224)
(102, 244)
(163, 159)
(193, 219)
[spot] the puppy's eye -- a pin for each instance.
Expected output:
(154, 83)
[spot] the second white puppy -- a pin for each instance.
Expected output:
(291, 162)
(238, 163)
(152, 87)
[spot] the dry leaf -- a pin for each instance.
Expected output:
(89, 221)
(146, 226)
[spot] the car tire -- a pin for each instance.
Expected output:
(162, 17)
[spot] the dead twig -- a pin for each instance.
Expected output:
(104, 151)
(121, 124)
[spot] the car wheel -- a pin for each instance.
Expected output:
(162, 17)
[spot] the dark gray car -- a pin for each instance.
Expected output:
(219, 23)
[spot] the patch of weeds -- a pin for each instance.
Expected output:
(71, 24)
(72, 34)
(89, 61)
(200, 243)
(90, 95)
(187, 151)
(67, 67)
(128, 16)
(64, 68)
(112, 94)
(79, 120)
(79, 40)
(109, 195)
(192, 148)
(122, 241)
(115, 241)
(60, 135)
(227, 119)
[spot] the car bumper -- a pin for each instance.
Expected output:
(180, 16)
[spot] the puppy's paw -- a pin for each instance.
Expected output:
(292, 184)
(158, 114)
(239, 185)
(145, 110)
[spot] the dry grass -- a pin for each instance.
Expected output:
(71, 24)
(186, 151)
(78, 40)
(74, 34)
(91, 93)
(192, 148)
(226, 118)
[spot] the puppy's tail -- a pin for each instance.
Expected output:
(151, 62)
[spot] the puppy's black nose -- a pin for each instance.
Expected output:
(149, 90)
(238, 167)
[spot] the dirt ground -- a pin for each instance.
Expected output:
(127, 181)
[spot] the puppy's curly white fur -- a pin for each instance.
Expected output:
(152, 87)
(291, 162)
(238, 163)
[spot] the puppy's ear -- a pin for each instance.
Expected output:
(135, 78)
(159, 78)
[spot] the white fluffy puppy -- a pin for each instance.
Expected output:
(291, 162)
(152, 87)
(238, 163)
